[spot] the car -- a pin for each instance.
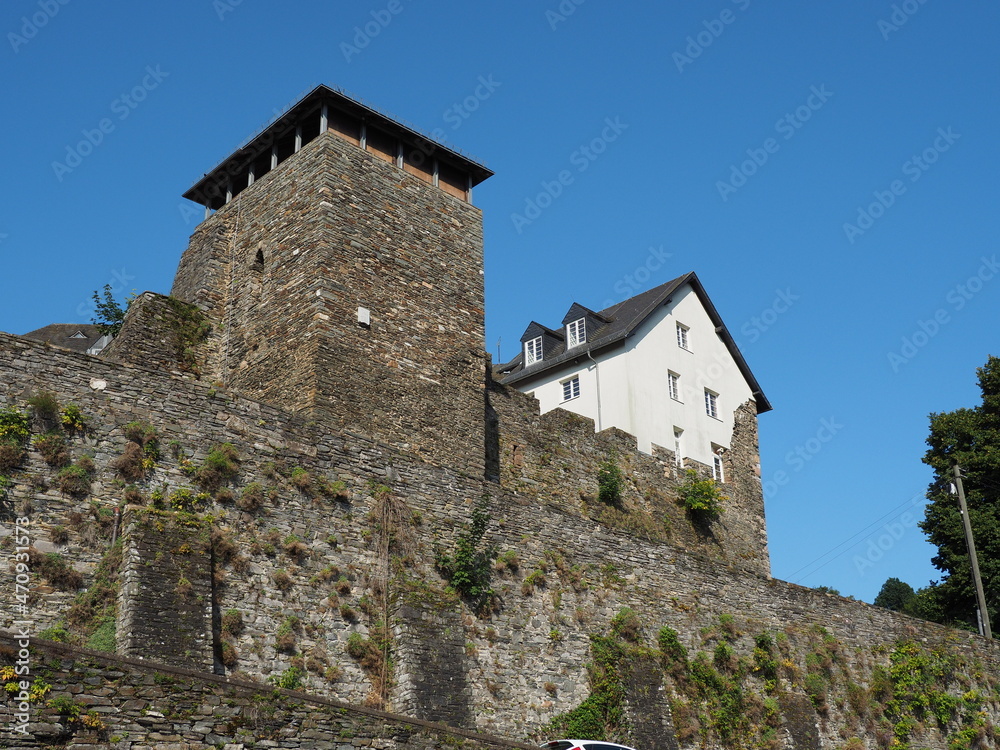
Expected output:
(584, 745)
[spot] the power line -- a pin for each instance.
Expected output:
(875, 523)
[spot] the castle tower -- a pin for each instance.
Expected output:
(341, 266)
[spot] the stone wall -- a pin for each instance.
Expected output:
(553, 459)
(165, 597)
(128, 704)
(161, 333)
(311, 569)
(282, 270)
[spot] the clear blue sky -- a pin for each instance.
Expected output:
(832, 100)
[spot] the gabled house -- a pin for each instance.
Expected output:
(661, 366)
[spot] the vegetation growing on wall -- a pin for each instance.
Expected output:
(701, 496)
(468, 568)
(610, 481)
(190, 329)
(15, 432)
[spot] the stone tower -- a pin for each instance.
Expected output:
(341, 266)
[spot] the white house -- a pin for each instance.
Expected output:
(661, 366)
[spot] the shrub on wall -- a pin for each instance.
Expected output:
(469, 566)
(702, 497)
(610, 481)
(14, 434)
(220, 467)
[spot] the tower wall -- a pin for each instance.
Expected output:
(283, 269)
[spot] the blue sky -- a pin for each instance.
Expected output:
(734, 138)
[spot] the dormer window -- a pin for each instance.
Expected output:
(576, 333)
(532, 351)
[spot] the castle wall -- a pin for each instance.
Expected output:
(307, 568)
(553, 459)
(165, 597)
(143, 706)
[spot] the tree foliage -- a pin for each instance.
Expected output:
(895, 595)
(969, 437)
(108, 314)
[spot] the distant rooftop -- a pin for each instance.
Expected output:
(327, 109)
(80, 337)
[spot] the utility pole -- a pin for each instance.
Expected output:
(984, 615)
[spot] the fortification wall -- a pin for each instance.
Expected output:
(553, 459)
(148, 706)
(315, 567)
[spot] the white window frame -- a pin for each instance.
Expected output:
(532, 351)
(718, 471)
(678, 449)
(576, 333)
(683, 340)
(712, 404)
(674, 386)
(570, 388)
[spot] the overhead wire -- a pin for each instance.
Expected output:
(849, 540)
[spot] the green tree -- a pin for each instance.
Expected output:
(895, 595)
(969, 437)
(108, 314)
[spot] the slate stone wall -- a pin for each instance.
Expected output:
(135, 705)
(165, 596)
(283, 269)
(308, 556)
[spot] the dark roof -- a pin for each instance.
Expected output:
(623, 319)
(76, 336)
(214, 182)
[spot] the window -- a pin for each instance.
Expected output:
(576, 333)
(674, 385)
(682, 336)
(533, 351)
(711, 403)
(678, 452)
(717, 473)
(571, 388)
